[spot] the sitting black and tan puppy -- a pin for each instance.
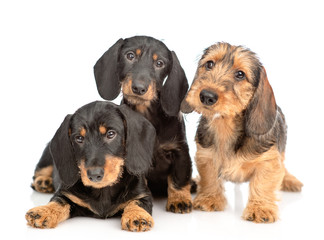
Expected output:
(153, 83)
(97, 162)
(242, 132)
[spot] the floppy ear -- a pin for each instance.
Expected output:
(62, 153)
(261, 112)
(140, 140)
(174, 89)
(106, 75)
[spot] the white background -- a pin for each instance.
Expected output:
(47, 53)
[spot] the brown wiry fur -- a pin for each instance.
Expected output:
(242, 136)
(136, 219)
(112, 169)
(48, 216)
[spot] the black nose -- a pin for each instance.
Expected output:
(208, 98)
(139, 88)
(95, 174)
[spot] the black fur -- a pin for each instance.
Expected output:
(134, 142)
(163, 111)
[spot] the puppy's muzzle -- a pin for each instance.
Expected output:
(208, 98)
(95, 174)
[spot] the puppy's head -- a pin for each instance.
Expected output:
(230, 81)
(139, 66)
(99, 142)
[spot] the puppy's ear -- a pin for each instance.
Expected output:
(62, 153)
(174, 89)
(261, 112)
(140, 139)
(106, 75)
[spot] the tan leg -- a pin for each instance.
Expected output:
(210, 194)
(48, 216)
(43, 181)
(136, 219)
(179, 200)
(264, 184)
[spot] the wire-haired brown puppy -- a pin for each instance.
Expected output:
(96, 163)
(154, 84)
(242, 132)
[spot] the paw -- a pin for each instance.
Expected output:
(260, 214)
(210, 203)
(137, 221)
(40, 217)
(43, 184)
(179, 206)
(291, 184)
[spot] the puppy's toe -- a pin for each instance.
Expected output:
(210, 203)
(43, 184)
(179, 206)
(40, 217)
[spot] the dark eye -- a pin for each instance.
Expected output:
(130, 56)
(209, 65)
(159, 63)
(79, 139)
(239, 75)
(111, 134)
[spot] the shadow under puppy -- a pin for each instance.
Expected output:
(242, 132)
(153, 83)
(96, 162)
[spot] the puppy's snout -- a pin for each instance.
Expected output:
(139, 88)
(208, 97)
(95, 174)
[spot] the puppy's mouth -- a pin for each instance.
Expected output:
(102, 176)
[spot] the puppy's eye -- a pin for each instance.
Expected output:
(159, 63)
(79, 139)
(111, 134)
(130, 56)
(239, 75)
(209, 65)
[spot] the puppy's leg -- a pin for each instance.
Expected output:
(48, 216)
(210, 195)
(290, 183)
(264, 184)
(179, 182)
(43, 181)
(135, 218)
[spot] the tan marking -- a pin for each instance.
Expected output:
(83, 132)
(113, 171)
(136, 219)
(79, 202)
(138, 52)
(155, 56)
(102, 129)
(46, 171)
(178, 196)
(48, 216)
(43, 181)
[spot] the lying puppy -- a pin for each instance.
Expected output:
(153, 83)
(96, 162)
(242, 132)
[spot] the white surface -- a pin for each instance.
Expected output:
(47, 51)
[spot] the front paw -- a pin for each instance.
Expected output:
(259, 213)
(137, 221)
(210, 202)
(41, 217)
(179, 206)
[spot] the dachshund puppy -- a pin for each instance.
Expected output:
(242, 132)
(153, 83)
(96, 163)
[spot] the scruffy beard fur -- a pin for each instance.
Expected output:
(231, 143)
